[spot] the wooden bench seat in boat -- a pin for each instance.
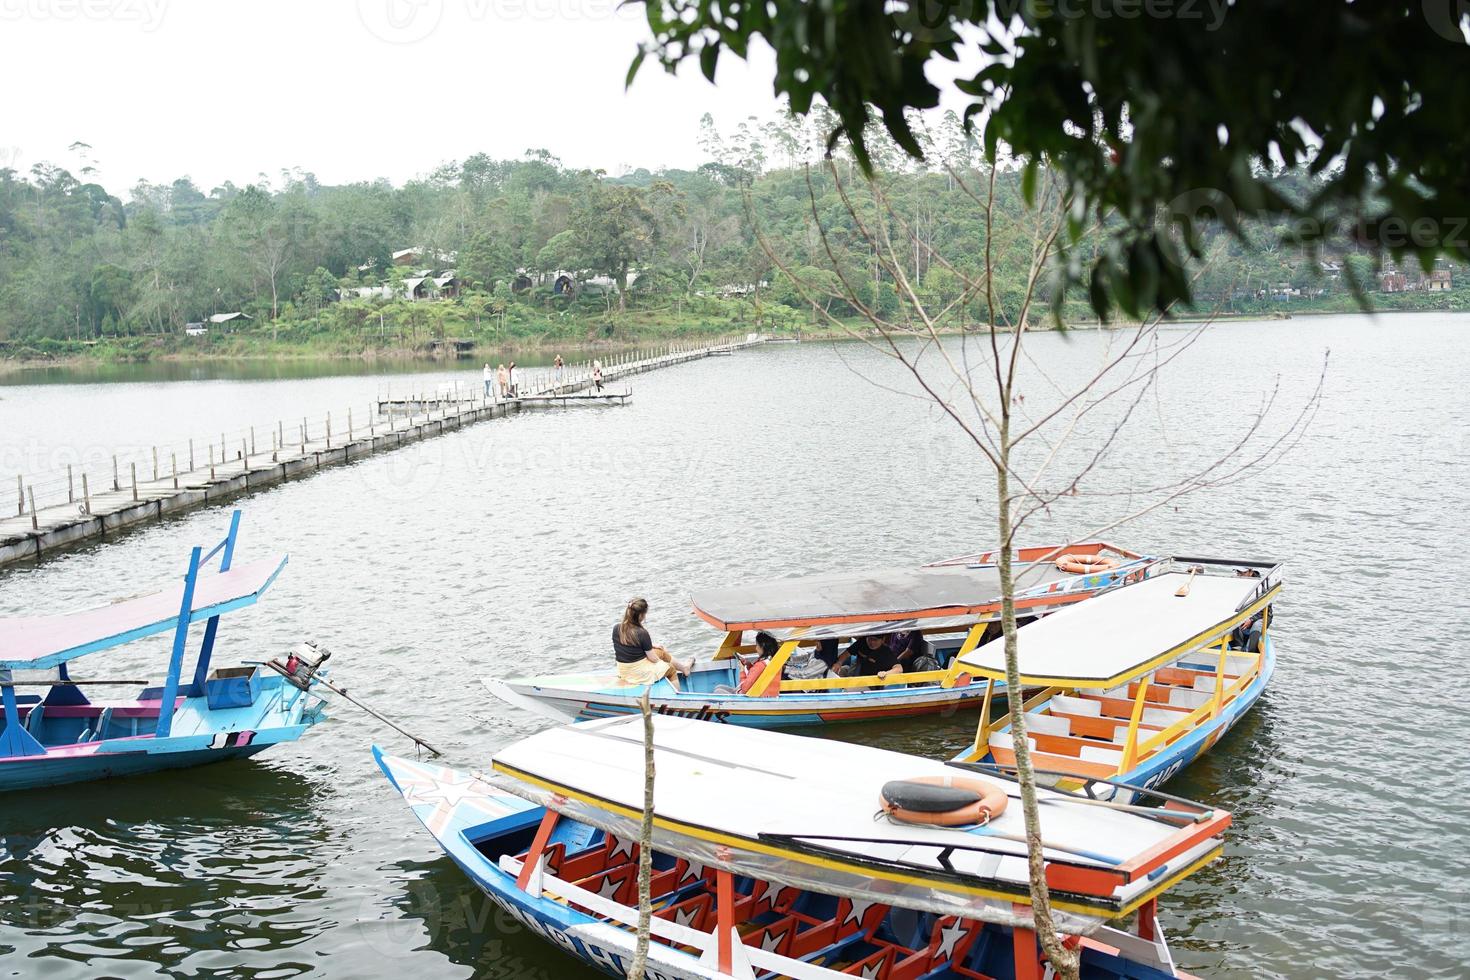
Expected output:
(1092, 759)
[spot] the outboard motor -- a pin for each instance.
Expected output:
(302, 664)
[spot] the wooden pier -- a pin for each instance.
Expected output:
(79, 505)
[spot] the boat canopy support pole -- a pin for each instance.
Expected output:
(537, 851)
(769, 683)
(176, 661)
(1027, 956)
(1130, 747)
(15, 740)
(206, 650)
(982, 731)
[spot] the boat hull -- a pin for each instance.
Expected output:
(1166, 765)
(201, 735)
(790, 710)
(472, 821)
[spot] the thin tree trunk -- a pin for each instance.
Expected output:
(645, 847)
(1064, 960)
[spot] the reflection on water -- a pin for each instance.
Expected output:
(509, 548)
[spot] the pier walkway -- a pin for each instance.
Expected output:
(53, 510)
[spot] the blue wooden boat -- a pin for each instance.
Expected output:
(1134, 685)
(61, 736)
(955, 604)
(768, 859)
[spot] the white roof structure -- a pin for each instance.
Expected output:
(1129, 631)
(799, 811)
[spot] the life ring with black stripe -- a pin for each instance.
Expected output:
(943, 801)
(1085, 564)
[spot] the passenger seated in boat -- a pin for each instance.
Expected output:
(752, 666)
(870, 656)
(915, 655)
(640, 662)
(827, 652)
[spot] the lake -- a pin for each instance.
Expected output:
(512, 546)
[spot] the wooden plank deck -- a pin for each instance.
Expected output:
(97, 504)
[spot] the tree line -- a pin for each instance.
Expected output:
(78, 261)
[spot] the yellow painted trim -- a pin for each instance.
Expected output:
(843, 683)
(972, 640)
(1130, 747)
(1189, 721)
(1217, 700)
(759, 847)
(982, 733)
(1194, 643)
(728, 646)
(770, 679)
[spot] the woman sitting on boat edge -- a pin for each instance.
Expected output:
(640, 663)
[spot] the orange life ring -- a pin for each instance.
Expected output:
(991, 803)
(1082, 564)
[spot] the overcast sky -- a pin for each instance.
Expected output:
(347, 89)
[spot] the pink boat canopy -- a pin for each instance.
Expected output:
(39, 642)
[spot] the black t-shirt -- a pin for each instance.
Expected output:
(631, 654)
(871, 662)
(915, 646)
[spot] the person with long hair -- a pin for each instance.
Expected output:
(640, 663)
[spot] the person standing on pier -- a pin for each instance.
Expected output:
(515, 381)
(489, 379)
(504, 378)
(559, 367)
(597, 375)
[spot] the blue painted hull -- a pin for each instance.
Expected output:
(57, 772)
(1163, 767)
(201, 735)
(473, 822)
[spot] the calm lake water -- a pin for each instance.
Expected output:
(511, 546)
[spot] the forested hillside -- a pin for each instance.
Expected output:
(528, 249)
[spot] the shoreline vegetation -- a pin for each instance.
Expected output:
(632, 331)
(489, 258)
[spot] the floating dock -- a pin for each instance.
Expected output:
(77, 505)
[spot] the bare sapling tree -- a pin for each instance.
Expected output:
(1045, 438)
(639, 965)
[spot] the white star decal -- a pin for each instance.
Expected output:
(948, 936)
(609, 887)
(686, 917)
(772, 893)
(771, 940)
(695, 870)
(858, 910)
(872, 971)
(620, 846)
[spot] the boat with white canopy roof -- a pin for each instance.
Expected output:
(1135, 684)
(769, 860)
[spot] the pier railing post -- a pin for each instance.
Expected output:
(303, 436)
(134, 468)
(244, 457)
(211, 460)
(155, 464)
(115, 484)
(349, 424)
(252, 440)
(20, 489)
(191, 455)
(31, 493)
(174, 458)
(86, 496)
(70, 492)
(329, 430)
